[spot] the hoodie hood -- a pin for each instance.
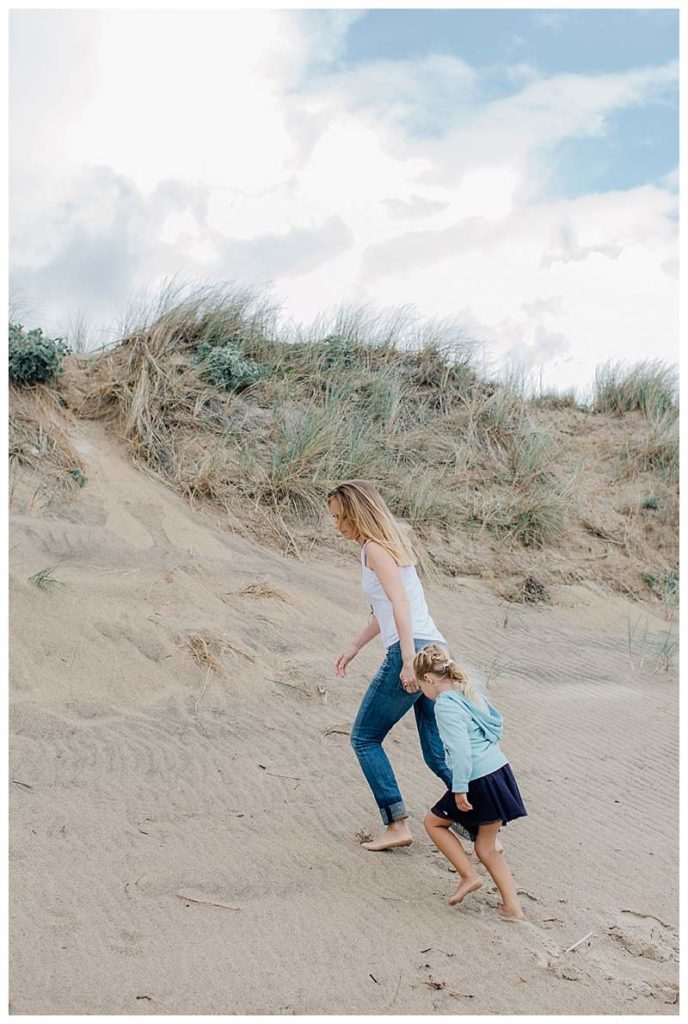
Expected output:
(488, 720)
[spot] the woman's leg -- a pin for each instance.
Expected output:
(430, 742)
(384, 704)
(496, 864)
(448, 844)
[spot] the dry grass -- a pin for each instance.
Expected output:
(201, 649)
(262, 588)
(650, 386)
(41, 454)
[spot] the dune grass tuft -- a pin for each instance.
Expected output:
(39, 443)
(651, 387)
(45, 579)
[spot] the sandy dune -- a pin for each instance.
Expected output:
(184, 825)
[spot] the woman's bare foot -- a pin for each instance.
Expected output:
(395, 835)
(468, 885)
(511, 915)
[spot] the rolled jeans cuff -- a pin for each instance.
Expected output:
(393, 812)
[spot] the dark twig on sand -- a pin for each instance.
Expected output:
(442, 986)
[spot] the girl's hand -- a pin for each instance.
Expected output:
(462, 802)
(408, 678)
(344, 659)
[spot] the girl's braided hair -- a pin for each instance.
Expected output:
(434, 659)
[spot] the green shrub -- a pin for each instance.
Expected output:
(340, 352)
(78, 476)
(226, 368)
(34, 359)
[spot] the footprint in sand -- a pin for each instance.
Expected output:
(647, 939)
(144, 639)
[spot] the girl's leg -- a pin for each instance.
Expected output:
(384, 703)
(448, 844)
(496, 864)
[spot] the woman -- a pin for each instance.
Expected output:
(401, 617)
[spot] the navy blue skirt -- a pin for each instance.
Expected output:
(495, 797)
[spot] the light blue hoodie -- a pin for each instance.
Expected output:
(471, 736)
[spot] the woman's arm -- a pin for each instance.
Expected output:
(367, 633)
(363, 638)
(387, 571)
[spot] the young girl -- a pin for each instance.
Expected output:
(401, 618)
(483, 794)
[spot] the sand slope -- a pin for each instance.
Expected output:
(184, 825)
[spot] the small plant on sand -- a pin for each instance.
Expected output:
(650, 502)
(666, 648)
(34, 359)
(45, 579)
(665, 587)
(77, 476)
(225, 367)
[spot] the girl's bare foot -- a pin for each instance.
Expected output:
(468, 885)
(395, 835)
(511, 915)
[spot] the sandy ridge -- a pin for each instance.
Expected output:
(146, 787)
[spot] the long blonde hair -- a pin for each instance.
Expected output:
(365, 508)
(434, 659)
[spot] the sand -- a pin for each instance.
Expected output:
(187, 811)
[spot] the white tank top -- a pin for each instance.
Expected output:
(421, 623)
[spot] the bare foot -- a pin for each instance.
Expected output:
(390, 839)
(469, 885)
(511, 915)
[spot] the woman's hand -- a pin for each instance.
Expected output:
(462, 802)
(408, 678)
(343, 660)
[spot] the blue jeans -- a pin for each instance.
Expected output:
(384, 704)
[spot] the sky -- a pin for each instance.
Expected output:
(511, 171)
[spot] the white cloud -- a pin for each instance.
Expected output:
(236, 144)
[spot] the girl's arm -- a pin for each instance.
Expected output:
(363, 638)
(387, 571)
(452, 724)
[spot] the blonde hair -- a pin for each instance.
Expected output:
(434, 659)
(365, 508)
